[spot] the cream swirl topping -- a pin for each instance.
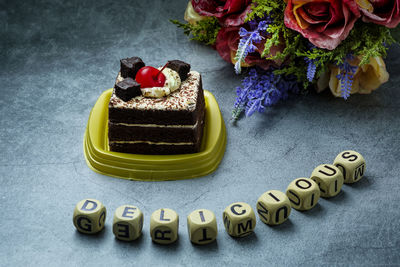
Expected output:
(172, 83)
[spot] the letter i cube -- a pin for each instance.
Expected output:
(273, 207)
(202, 226)
(164, 224)
(89, 216)
(239, 219)
(128, 223)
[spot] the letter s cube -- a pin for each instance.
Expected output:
(239, 219)
(164, 224)
(351, 164)
(128, 223)
(202, 226)
(89, 216)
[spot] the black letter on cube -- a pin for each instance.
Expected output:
(89, 216)
(164, 225)
(273, 207)
(239, 219)
(351, 164)
(303, 193)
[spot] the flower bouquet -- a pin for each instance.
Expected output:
(289, 47)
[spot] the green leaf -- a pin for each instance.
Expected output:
(204, 31)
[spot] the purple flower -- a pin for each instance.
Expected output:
(311, 69)
(248, 39)
(261, 89)
(346, 76)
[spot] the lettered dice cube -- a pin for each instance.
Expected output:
(239, 219)
(202, 226)
(128, 223)
(303, 193)
(329, 179)
(89, 216)
(273, 207)
(164, 225)
(352, 165)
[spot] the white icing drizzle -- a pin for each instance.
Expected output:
(172, 83)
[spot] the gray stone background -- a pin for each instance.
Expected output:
(56, 59)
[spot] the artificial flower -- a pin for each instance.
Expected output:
(365, 78)
(383, 12)
(324, 23)
(229, 12)
(302, 39)
(323, 81)
(191, 15)
(227, 45)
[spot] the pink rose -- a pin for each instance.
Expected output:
(383, 12)
(229, 12)
(325, 23)
(227, 43)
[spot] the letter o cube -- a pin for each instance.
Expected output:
(164, 225)
(89, 216)
(329, 179)
(239, 219)
(202, 226)
(128, 223)
(351, 164)
(303, 193)
(273, 207)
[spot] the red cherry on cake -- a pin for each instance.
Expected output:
(150, 77)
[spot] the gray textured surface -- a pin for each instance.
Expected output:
(58, 56)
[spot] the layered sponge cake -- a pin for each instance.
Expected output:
(156, 111)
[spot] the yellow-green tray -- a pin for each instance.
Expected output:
(153, 167)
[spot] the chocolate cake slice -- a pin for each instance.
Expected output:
(172, 124)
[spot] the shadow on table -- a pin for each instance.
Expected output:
(208, 248)
(286, 227)
(168, 248)
(94, 238)
(251, 239)
(138, 243)
(318, 210)
(340, 198)
(361, 184)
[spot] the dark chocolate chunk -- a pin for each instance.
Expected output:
(182, 68)
(130, 66)
(127, 89)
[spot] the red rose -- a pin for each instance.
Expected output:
(227, 43)
(325, 23)
(229, 12)
(383, 12)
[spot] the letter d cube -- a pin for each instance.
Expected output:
(89, 216)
